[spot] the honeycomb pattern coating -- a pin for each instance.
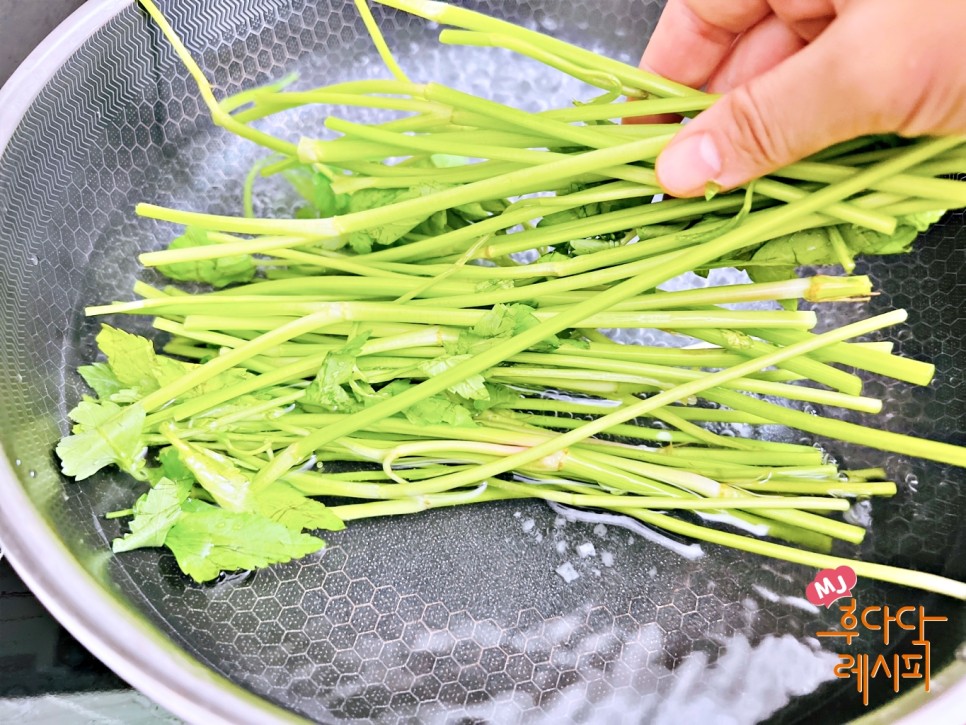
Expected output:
(455, 615)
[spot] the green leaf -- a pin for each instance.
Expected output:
(589, 246)
(135, 364)
(101, 379)
(386, 234)
(207, 540)
(174, 468)
(338, 369)
(777, 259)
(501, 322)
(219, 272)
(131, 358)
(154, 514)
(439, 410)
(652, 231)
(867, 241)
(316, 189)
(471, 388)
(567, 215)
(230, 488)
(104, 433)
(491, 285)
(497, 396)
(923, 220)
(282, 503)
(435, 224)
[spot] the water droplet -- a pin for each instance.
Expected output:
(32, 473)
(19, 377)
(17, 462)
(809, 409)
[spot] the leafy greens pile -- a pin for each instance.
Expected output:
(391, 323)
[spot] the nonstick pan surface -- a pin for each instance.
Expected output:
(449, 616)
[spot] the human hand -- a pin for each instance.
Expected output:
(800, 75)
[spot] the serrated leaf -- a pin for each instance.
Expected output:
(137, 367)
(282, 503)
(362, 241)
(207, 540)
(439, 410)
(104, 434)
(154, 514)
(338, 369)
(230, 487)
(471, 388)
(219, 272)
(101, 379)
(497, 396)
(174, 468)
(131, 358)
(581, 247)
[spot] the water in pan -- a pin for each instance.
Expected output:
(443, 623)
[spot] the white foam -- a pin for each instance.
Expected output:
(567, 572)
(688, 551)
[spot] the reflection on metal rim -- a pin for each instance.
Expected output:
(123, 640)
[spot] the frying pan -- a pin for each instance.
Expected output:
(454, 615)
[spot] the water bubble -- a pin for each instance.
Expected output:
(33, 260)
(860, 514)
(548, 22)
(912, 482)
(234, 578)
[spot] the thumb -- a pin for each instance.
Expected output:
(807, 102)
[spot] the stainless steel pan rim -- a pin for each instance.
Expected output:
(129, 643)
(125, 642)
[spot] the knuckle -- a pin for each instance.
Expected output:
(755, 137)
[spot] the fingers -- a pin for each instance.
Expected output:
(756, 51)
(694, 36)
(881, 66)
(798, 107)
(807, 18)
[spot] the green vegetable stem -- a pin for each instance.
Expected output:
(430, 325)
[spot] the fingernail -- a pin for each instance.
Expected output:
(687, 166)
